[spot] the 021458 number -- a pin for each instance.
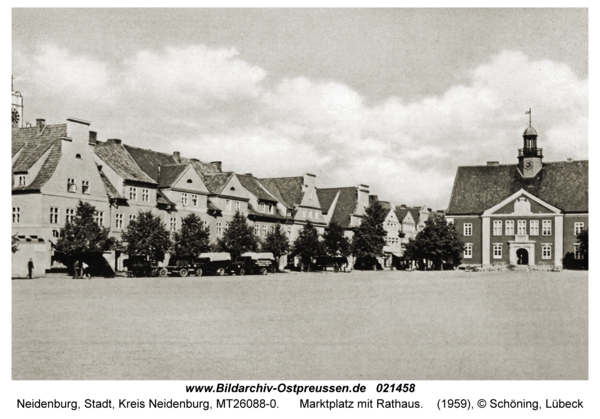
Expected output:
(398, 388)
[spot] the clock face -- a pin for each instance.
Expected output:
(15, 117)
(528, 164)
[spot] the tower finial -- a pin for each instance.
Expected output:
(529, 112)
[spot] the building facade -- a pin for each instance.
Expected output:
(526, 214)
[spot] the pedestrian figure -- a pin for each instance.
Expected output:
(86, 270)
(30, 268)
(76, 269)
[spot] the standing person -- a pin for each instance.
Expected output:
(76, 269)
(86, 270)
(30, 268)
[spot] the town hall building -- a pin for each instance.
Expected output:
(528, 213)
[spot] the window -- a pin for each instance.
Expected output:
(534, 228)
(264, 230)
(257, 229)
(289, 230)
(578, 228)
(271, 229)
(578, 254)
(270, 209)
(303, 213)
(509, 227)
(497, 228)
(468, 229)
(521, 227)
(546, 251)
(184, 199)
(119, 221)
(173, 224)
(219, 229)
(85, 186)
(261, 207)
(237, 206)
(132, 217)
(195, 200)
(468, 251)
(227, 224)
(497, 250)
(145, 195)
(450, 220)
(69, 215)
(53, 215)
(16, 214)
(228, 205)
(205, 224)
(99, 218)
(55, 233)
(71, 186)
(133, 194)
(546, 228)
(22, 180)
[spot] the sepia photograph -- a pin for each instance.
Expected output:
(299, 194)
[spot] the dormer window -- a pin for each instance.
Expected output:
(261, 207)
(270, 208)
(22, 180)
(71, 185)
(85, 186)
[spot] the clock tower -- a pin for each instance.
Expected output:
(530, 157)
(16, 108)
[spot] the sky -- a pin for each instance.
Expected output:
(395, 99)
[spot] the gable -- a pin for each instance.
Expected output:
(234, 189)
(522, 203)
(190, 180)
(408, 219)
(391, 217)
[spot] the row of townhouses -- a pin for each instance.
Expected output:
(56, 166)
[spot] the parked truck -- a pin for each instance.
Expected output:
(254, 263)
(203, 264)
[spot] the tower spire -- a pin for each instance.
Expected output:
(529, 112)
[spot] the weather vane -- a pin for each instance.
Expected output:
(529, 112)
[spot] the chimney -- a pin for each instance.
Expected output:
(40, 124)
(493, 163)
(218, 165)
(93, 137)
(248, 174)
(177, 156)
(570, 160)
(113, 141)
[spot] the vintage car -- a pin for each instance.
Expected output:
(254, 263)
(203, 264)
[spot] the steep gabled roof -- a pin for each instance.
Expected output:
(32, 145)
(47, 169)
(326, 197)
(202, 167)
(170, 173)
(288, 188)
(254, 187)
(111, 191)
(161, 198)
(416, 213)
(118, 158)
(563, 185)
(215, 182)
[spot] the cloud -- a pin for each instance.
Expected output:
(213, 105)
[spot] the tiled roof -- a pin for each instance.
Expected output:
(33, 146)
(162, 198)
(416, 213)
(170, 173)
(288, 188)
(149, 160)
(561, 184)
(211, 206)
(276, 215)
(111, 191)
(117, 157)
(46, 170)
(345, 205)
(215, 182)
(254, 187)
(326, 197)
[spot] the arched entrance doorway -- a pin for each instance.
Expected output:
(522, 257)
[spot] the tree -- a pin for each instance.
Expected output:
(369, 237)
(277, 242)
(82, 238)
(307, 245)
(146, 236)
(193, 238)
(15, 243)
(238, 238)
(436, 243)
(335, 243)
(582, 238)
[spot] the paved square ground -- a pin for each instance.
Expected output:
(361, 325)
